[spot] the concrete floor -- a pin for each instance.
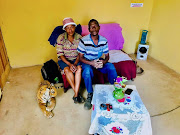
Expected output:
(159, 88)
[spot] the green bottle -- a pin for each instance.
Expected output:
(118, 93)
(56, 80)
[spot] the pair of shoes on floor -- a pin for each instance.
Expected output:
(88, 104)
(78, 99)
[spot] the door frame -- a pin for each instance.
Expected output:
(4, 62)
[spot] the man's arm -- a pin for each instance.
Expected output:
(106, 59)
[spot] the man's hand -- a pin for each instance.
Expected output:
(73, 68)
(98, 63)
(95, 63)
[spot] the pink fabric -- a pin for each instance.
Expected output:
(68, 20)
(111, 31)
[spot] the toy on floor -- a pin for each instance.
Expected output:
(0, 94)
(119, 87)
(46, 98)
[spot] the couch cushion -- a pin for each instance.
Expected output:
(111, 31)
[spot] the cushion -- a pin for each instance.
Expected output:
(111, 31)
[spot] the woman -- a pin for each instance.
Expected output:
(68, 58)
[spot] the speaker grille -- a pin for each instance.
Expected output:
(143, 50)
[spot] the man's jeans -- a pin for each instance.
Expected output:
(88, 75)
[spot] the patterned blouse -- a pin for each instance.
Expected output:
(66, 48)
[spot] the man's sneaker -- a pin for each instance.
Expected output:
(80, 99)
(88, 104)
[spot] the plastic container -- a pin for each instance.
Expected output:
(144, 36)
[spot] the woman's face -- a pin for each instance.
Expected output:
(70, 29)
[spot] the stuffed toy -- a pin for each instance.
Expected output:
(0, 94)
(46, 98)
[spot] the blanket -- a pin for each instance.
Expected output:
(58, 30)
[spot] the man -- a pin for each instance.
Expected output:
(91, 48)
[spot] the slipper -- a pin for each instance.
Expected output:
(139, 70)
(66, 89)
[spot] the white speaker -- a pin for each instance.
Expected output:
(142, 52)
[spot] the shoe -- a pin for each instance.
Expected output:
(76, 100)
(88, 104)
(139, 70)
(66, 89)
(80, 99)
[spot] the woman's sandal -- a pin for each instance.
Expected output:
(78, 99)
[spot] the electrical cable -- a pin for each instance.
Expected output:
(165, 112)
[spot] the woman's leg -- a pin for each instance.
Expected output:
(77, 80)
(70, 79)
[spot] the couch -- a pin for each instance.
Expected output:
(125, 66)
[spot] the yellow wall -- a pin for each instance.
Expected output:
(164, 34)
(27, 24)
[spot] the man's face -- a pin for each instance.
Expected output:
(94, 28)
(70, 29)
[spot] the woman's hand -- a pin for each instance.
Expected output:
(73, 68)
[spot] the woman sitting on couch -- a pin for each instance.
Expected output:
(68, 58)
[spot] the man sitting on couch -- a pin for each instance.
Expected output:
(91, 48)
